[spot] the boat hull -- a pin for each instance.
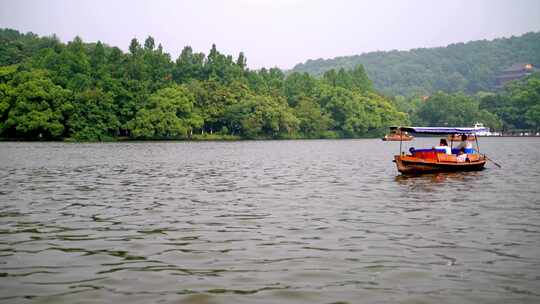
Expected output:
(414, 165)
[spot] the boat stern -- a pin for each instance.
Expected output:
(399, 163)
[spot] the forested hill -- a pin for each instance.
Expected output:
(469, 67)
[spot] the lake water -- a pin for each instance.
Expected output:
(319, 221)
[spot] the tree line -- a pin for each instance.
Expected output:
(516, 107)
(92, 91)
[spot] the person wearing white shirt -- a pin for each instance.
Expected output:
(443, 146)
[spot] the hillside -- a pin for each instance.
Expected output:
(468, 67)
(51, 90)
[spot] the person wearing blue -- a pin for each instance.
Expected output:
(465, 144)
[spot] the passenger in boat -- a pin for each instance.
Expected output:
(465, 144)
(462, 156)
(443, 145)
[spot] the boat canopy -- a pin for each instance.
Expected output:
(439, 130)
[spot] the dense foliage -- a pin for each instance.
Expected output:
(462, 67)
(90, 91)
(443, 109)
(517, 107)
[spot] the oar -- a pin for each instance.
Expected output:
(491, 160)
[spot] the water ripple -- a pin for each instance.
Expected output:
(258, 222)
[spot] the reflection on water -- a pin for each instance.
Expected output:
(464, 179)
(276, 221)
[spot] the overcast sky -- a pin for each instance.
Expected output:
(276, 32)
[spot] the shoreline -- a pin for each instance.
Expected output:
(118, 140)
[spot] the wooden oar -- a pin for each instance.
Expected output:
(491, 160)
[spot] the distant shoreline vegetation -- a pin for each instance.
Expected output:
(80, 91)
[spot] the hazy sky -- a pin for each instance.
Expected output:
(276, 32)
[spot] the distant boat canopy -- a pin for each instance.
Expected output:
(440, 130)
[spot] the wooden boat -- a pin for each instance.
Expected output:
(431, 160)
(423, 161)
(394, 136)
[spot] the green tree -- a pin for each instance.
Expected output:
(169, 114)
(297, 86)
(6, 92)
(40, 107)
(212, 99)
(134, 47)
(443, 109)
(312, 121)
(93, 116)
(360, 80)
(241, 61)
(98, 58)
(188, 66)
(262, 116)
(355, 114)
(149, 44)
(532, 117)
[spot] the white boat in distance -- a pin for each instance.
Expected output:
(485, 131)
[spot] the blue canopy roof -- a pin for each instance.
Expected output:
(439, 130)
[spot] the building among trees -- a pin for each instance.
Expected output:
(514, 72)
